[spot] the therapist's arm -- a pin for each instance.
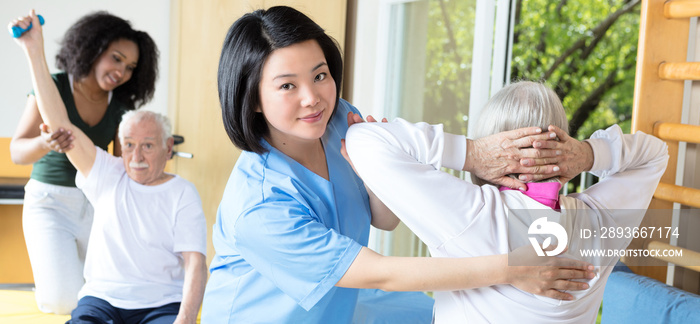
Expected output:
(382, 217)
(32, 140)
(372, 270)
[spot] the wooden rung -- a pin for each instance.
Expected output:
(677, 132)
(683, 195)
(679, 71)
(689, 260)
(682, 9)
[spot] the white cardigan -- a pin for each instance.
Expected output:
(400, 162)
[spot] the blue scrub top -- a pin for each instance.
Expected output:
(284, 236)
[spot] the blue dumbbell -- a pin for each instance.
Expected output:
(17, 31)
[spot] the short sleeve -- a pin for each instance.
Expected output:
(190, 230)
(287, 245)
(106, 170)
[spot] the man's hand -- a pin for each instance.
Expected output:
(60, 141)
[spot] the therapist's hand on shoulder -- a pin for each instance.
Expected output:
(355, 119)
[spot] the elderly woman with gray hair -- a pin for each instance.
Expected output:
(401, 163)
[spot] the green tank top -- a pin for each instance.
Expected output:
(54, 168)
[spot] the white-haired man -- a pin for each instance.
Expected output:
(145, 260)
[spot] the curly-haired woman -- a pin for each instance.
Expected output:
(108, 68)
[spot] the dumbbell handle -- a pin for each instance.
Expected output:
(17, 31)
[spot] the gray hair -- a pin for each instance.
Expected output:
(135, 116)
(520, 104)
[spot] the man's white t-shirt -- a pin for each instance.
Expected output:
(133, 258)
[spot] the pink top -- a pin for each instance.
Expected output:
(546, 193)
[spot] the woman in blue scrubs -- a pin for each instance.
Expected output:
(292, 227)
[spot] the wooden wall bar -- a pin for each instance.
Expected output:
(682, 9)
(679, 71)
(658, 100)
(677, 132)
(683, 195)
(689, 260)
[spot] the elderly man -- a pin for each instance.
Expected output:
(145, 261)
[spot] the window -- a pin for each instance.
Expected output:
(427, 60)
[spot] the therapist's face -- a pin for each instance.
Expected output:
(297, 93)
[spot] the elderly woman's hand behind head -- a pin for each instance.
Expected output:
(572, 157)
(494, 157)
(530, 153)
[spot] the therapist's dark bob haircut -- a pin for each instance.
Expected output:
(248, 43)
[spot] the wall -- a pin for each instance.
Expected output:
(198, 30)
(152, 16)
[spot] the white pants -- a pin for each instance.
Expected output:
(56, 222)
